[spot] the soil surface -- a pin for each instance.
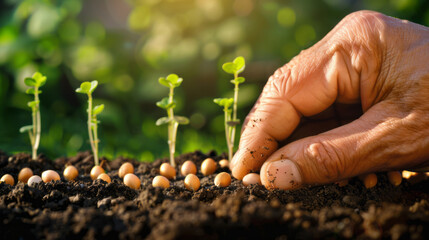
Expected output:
(86, 209)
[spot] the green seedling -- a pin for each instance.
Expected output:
(171, 81)
(235, 67)
(88, 88)
(226, 104)
(34, 130)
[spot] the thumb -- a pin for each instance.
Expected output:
(378, 141)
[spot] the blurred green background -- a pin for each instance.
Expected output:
(128, 44)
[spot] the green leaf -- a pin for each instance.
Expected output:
(181, 120)
(30, 82)
(33, 104)
(240, 64)
(164, 82)
(94, 85)
(224, 102)
(30, 91)
(98, 109)
(229, 67)
(26, 128)
(233, 123)
(162, 121)
(165, 104)
(173, 78)
(240, 80)
(84, 88)
(39, 78)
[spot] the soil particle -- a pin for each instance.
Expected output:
(86, 209)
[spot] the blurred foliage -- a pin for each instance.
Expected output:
(127, 45)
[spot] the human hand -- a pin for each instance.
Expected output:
(368, 58)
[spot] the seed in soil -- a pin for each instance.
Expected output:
(33, 180)
(369, 180)
(125, 169)
(395, 178)
(95, 171)
(50, 175)
(192, 182)
(223, 179)
(167, 171)
(224, 163)
(188, 167)
(343, 183)
(251, 178)
(160, 181)
(70, 173)
(8, 179)
(25, 174)
(104, 177)
(132, 181)
(208, 167)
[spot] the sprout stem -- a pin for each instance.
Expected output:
(234, 116)
(172, 129)
(90, 130)
(228, 132)
(35, 140)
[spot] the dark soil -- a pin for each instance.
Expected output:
(87, 209)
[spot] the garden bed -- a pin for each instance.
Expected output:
(87, 209)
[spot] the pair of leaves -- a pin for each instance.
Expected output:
(26, 128)
(238, 80)
(224, 102)
(33, 104)
(171, 81)
(235, 67)
(87, 87)
(97, 109)
(33, 91)
(37, 80)
(166, 104)
(179, 119)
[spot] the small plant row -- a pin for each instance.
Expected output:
(172, 81)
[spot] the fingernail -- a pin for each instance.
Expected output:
(283, 174)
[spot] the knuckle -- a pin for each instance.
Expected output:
(327, 160)
(278, 82)
(363, 18)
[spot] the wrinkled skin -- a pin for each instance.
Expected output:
(368, 81)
